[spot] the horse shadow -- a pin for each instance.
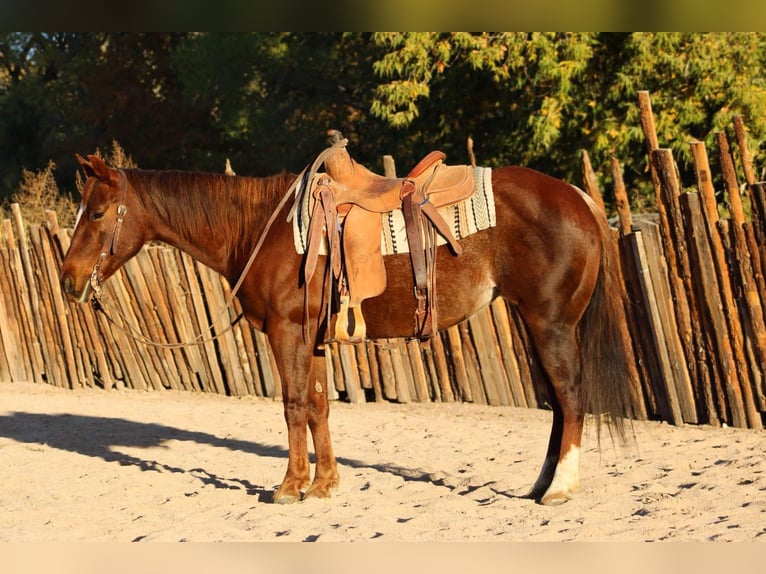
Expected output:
(101, 437)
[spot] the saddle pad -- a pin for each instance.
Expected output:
(474, 214)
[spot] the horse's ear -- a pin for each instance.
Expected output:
(98, 168)
(86, 165)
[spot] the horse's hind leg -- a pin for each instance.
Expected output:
(559, 477)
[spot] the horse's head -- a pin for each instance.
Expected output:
(108, 230)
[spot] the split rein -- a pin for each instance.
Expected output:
(108, 250)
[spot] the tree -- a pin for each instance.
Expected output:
(271, 97)
(68, 93)
(538, 99)
(698, 82)
(265, 100)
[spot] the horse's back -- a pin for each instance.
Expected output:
(526, 193)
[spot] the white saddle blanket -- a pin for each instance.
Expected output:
(467, 217)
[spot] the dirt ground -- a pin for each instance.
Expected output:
(123, 466)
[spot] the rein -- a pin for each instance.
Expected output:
(108, 250)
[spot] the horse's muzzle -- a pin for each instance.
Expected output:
(68, 287)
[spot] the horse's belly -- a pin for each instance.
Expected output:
(459, 295)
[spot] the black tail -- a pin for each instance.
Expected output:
(606, 372)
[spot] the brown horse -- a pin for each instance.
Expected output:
(550, 253)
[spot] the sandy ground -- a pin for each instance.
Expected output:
(127, 466)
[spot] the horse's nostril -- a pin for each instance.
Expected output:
(67, 285)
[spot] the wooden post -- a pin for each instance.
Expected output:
(47, 329)
(372, 357)
(621, 198)
(729, 333)
(419, 378)
(675, 272)
(712, 316)
(662, 362)
(744, 151)
(458, 364)
(472, 364)
(30, 304)
(137, 271)
(251, 355)
(388, 379)
(643, 349)
(180, 318)
(224, 345)
(442, 370)
(363, 365)
(195, 290)
(402, 373)
(745, 253)
(670, 191)
(164, 295)
(236, 337)
(389, 166)
(590, 182)
(19, 306)
(469, 147)
(350, 372)
(510, 361)
(11, 340)
(492, 375)
(18, 309)
(75, 372)
(757, 195)
(434, 385)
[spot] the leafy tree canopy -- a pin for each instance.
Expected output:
(265, 100)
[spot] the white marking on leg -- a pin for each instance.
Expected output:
(566, 479)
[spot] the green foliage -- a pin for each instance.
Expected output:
(272, 97)
(265, 100)
(539, 98)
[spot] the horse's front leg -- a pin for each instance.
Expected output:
(304, 394)
(326, 473)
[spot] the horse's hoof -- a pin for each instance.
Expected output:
(321, 490)
(555, 498)
(282, 497)
(318, 493)
(286, 498)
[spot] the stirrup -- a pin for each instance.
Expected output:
(358, 326)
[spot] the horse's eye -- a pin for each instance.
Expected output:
(96, 215)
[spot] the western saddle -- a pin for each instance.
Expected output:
(347, 203)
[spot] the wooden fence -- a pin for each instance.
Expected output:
(166, 295)
(694, 322)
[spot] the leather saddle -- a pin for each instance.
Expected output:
(348, 201)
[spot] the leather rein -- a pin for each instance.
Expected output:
(108, 250)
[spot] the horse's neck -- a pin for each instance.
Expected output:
(216, 258)
(221, 228)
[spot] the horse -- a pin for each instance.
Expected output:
(551, 254)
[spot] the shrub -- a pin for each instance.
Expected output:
(38, 191)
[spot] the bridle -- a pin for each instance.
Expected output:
(110, 242)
